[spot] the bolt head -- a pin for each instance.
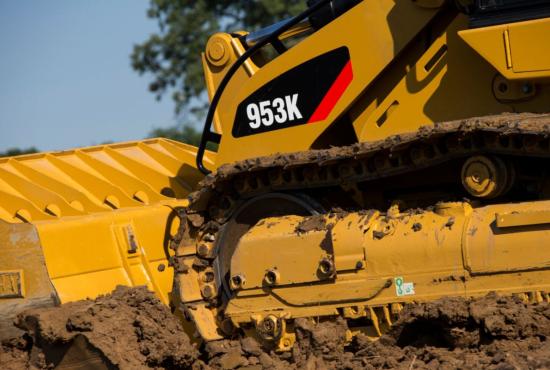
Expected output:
(208, 277)
(216, 51)
(203, 250)
(237, 282)
(271, 277)
(326, 267)
(207, 291)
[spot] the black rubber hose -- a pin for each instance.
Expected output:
(207, 135)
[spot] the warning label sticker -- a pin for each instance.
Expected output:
(402, 288)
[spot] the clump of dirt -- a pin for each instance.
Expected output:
(311, 223)
(453, 333)
(317, 346)
(16, 354)
(131, 329)
(491, 332)
(127, 329)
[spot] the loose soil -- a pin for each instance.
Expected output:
(131, 329)
(127, 329)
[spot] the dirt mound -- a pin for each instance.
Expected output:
(490, 332)
(127, 329)
(131, 329)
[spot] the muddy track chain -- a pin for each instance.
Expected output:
(221, 193)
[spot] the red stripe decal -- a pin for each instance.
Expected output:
(333, 94)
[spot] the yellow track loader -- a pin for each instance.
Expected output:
(370, 154)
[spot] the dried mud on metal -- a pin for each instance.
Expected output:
(131, 329)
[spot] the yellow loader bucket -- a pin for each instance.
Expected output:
(75, 224)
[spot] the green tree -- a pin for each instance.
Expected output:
(17, 151)
(184, 133)
(172, 55)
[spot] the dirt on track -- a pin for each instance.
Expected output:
(131, 329)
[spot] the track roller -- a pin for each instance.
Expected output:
(487, 177)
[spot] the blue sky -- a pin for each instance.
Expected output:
(65, 74)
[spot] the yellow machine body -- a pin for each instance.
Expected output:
(399, 84)
(453, 252)
(75, 224)
(414, 64)
(367, 266)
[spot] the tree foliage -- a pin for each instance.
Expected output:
(17, 151)
(172, 55)
(184, 133)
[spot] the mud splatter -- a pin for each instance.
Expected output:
(311, 223)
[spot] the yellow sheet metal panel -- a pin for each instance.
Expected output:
(79, 245)
(102, 216)
(48, 186)
(490, 43)
(443, 73)
(296, 263)
(518, 51)
(127, 247)
(349, 253)
(382, 30)
(509, 283)
(46, 199)
(89, 285)
(526, 218)
(43, 173)
(493, 249)
(530, 45)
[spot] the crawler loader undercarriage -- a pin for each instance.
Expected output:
(275, 238)
(382, 189)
